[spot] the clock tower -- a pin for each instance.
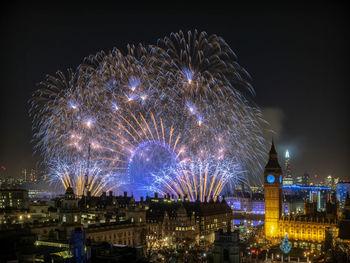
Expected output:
(273, 194)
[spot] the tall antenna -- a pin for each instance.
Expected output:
(86, 186)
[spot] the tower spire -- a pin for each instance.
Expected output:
(273, 160)
(272, 193)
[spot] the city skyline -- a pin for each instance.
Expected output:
(293, 92)
(183, 133)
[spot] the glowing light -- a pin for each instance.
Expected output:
(270, 178)
(193, 105)
(89, 123)
(73, 105)
(192, 108)
(189, 75)
(134, 83)
(115, 106)
(200, 120)
(287, 154)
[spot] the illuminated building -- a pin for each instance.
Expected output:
(343, 188)
(105, 220)
(33, 176)
(287, 179)
(303, 180)
(328, 181)
(306, 230)
(295, 195)
(247, 202)
(344, 224)
(182, 219)
(331, 182)
(24, 174)
(69, 211)
(127, 233)
(273, 194)
(154, 223)
(257, 189)
(14, 198)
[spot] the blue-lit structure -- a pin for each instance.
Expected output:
(271, 178)
(77, 246)
(296, 195)
(148, 159)
(311, 188)
(252, 203)
(294, 199)
(343, 188)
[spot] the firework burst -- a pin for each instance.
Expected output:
(172, 117)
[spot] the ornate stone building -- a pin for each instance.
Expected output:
(226, 247)
(147, 223)
(304, 230)
(173, 221)
(273, 194)
(69, 212)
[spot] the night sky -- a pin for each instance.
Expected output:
(297, 55)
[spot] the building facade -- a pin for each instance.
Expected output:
(14, 199)
(305, 229)
(343, 188)
(303, 180)
(273, 194)
(287, 179)
(226, 247)
(176, 220)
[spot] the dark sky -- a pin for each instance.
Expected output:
(297, 55)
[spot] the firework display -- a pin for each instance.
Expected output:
(175, 117)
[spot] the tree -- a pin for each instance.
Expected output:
(285, 245)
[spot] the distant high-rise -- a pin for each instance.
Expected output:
(287, 179)
(24, 174)
(33, 176)
(303, 180)
(343, 189)
(331, 182)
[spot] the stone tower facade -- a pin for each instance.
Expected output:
(226, 247)
(273, 194)
(69, 211)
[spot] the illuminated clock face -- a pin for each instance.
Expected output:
(270, 178)
(280, 178)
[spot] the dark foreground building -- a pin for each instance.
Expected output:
(79, 229)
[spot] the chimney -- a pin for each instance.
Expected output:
(125, 194)
(141, 200)
(110, 193)
(223, 199)
(155, 195)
